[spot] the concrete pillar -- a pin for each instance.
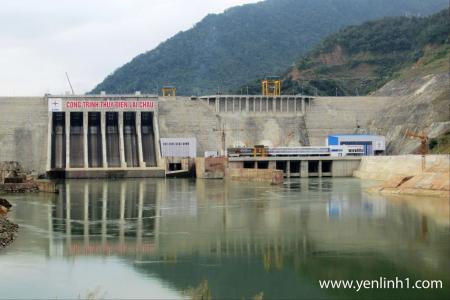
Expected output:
(272, 164)
(226, 104)
(123, 164)
(67, 117)
(49, 140)
(320, 168)
(303, 105)
(288, 169)
(217, 105)
(139, 140)
(103, 132)
(295, 104)
(247, 108)
(85, 140)
(156, 133)
(304, 169)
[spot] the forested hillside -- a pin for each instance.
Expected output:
(360, 59)
(227, 50)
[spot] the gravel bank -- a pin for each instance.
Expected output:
(8, 232)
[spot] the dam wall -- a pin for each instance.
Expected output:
(183, 117)
(295, 121)
(23, 131)
(342, 115)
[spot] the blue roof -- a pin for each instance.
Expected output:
(353, 135)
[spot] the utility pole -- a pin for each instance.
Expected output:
(67, 76)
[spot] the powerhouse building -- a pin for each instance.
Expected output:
(373, 144)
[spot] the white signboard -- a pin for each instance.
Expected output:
(86, 103)
(54, 104)
(178, 147)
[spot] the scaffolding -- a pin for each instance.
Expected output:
(271, 86)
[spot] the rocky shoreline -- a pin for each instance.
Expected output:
(8, 232)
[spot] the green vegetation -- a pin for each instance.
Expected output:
(360, 59)
(224, 51)
(441, 144)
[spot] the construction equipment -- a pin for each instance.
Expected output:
(423, 143)
(260, 150)
(271, 86)
(169, 91)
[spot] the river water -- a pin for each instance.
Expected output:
(175, 238)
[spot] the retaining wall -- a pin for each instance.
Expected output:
(23, 131)
(385, 167)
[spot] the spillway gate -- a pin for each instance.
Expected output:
(103, 136)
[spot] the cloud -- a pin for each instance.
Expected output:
(41, 40)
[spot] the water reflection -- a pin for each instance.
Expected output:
(242, 238)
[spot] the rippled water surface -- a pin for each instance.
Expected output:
(170, 239)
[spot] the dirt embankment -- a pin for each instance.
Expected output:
(403, 174)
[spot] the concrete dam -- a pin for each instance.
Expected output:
(118, 135)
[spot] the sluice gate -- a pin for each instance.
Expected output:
(94, 140)
(130, 139)
(148, 139)
(103, 136)
(76, 140)
(58, 145)
(112, 139)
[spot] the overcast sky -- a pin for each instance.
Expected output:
(40, 40)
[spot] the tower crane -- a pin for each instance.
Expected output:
(423, 143)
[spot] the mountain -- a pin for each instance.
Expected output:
(422, 90)
(223, 51)
(360, 59)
